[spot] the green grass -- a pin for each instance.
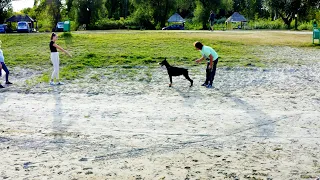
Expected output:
(129, 49)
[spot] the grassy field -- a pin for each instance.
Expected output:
(130, 49)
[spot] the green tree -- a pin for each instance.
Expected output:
(239, 5)
(159, 10)
(227, 5)
(162, 12)
(185, 7)
(55, 8)
(143, 16)
(69, 4)
(249, 8)
(5, 9)
(203, 10)
(88, 11)
(287, 9)
(50, 7)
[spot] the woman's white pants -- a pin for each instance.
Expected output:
(55, 61)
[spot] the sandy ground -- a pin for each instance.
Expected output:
(254, 124)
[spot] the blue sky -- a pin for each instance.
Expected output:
(21, 4)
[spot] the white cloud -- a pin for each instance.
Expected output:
(18, 5)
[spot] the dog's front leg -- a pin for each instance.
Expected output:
(170, 77)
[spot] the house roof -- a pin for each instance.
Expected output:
(236, 17)
(176, 18)
(17, 18)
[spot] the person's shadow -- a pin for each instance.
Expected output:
(263, 123)
(189, 95)
(58, 129)
(2, 96)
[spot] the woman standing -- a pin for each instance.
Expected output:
(55, 58)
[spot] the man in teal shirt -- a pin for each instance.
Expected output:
(212, 60)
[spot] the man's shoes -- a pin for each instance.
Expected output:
(209, 86)
(8, 82)
(1, 86)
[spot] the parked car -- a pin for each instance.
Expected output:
(23, 27)
(3, 28)
(59, 26)
(174, 27)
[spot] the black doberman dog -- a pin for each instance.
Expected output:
(175, 71)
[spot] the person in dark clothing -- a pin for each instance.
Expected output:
(4, 67)
(211, 20)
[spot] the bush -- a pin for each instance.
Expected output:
(44, 25)
(107, 24)
(306, 26)
(221, 21)
(66, 35)
(192, 25)
(73, 25)
(158, 26)
(143, 17)
(267, 24)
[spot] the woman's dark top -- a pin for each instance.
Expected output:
(52, 48)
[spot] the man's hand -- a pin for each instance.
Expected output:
(0, 66)
(198, 60)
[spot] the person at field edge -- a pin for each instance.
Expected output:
(212, 60)
(55, 58)
(4, 67)
(211, 20)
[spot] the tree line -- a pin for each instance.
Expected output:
(153, 14)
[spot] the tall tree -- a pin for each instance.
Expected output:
(113, 7)
(160, 10)
(69, 5)
(5, 7)
(287, 9)
(88, 11)
(259, 7)
(227, 5)
(207, 6)
(185, 7)
(117, 8)
(36, 3)
(239, 5)
(251, 8)
(51, 7)
(55, 7)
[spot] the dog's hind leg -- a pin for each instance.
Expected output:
(186, 75)
(170, 77)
